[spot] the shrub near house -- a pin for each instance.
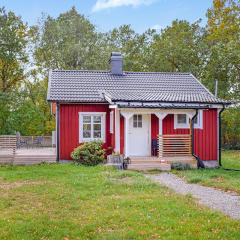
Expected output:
(89, 153)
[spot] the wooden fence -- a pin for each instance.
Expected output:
(8, 144)
(175, 145)
(34, 141)
(26, 150)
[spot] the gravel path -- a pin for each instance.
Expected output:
(227, 203)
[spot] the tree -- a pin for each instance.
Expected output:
(178, 48)
(13, 42)
(68, 42)
(132, 45)
(223, 39)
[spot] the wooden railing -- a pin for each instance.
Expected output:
(175, 145)
(8, 144)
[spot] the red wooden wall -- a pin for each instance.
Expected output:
(205, 139)
(69, 126)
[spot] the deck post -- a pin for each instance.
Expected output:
(117, 130)
(127, 116)
(160, 116)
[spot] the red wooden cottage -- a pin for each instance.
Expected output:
(131, 111)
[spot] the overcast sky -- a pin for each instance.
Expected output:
(107, 14)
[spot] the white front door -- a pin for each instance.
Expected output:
(139, 135)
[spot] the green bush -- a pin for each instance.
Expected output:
(180, 166)
(89, 153)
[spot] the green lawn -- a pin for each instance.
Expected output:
(73, 202)
(219, 178)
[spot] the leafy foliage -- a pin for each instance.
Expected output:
(71, 41)
(230, 128)
(89, 153)
(180, 166)
(179, 48)
(68, 42)
(13, 41)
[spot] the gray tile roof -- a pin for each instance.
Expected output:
(88, 86)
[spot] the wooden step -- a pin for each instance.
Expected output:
(145, 161)
(149, 166)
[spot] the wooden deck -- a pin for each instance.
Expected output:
(28, 156)
(10, 154)
(171, 148)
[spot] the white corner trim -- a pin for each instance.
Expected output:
(103, 126)
(111, 122)
(117, 130)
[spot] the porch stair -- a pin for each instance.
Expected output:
(148, 163)
(151, 163)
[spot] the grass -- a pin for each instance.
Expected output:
(75, 202)
(218, 178)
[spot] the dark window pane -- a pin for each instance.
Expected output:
(139, 121)
(196, 120)
(135, 124)
(87, 127)
(97, 119)
(86, 134)
(96, 134)
(97, 127)
(134, 117)
(86, 119)
(182, 118)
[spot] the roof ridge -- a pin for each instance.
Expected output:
(141, 90)
(126, 72)
(179, 73)
(79, 70)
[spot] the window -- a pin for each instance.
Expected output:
(91, 126)
(181, 118)
(137, 120)
(198, 121)
(181, 121)
(111, 122)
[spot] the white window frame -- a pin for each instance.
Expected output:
(181, 125)
(111, 122)
(198, 125)
(103, 126)
(138, 121)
